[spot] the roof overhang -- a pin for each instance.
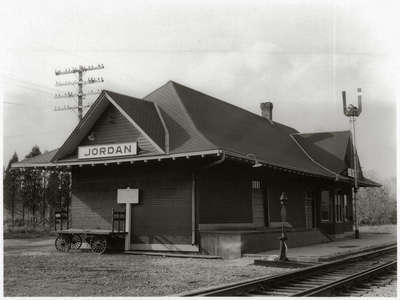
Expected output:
(144, 158)
(119, 160)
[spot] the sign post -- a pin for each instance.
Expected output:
(129, 197)
(128, 220)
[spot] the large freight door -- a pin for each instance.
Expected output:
(163, 218)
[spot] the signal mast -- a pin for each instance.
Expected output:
(353, 112)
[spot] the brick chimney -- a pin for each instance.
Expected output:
(266, 110)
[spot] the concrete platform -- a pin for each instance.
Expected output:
(332, 250)
(171, 254)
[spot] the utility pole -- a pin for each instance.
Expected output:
(80, 82)
(353, 112)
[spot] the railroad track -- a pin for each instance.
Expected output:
(373, 287)
(320, 280)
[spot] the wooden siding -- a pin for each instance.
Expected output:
(224, 196)
(112, 127)
(258, 207)
(308, 210)
(163, 215)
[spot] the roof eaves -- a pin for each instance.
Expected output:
(286, 168)
(32, 165)
(319, 132)
(133, 159)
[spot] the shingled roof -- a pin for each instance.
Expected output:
(190, 121)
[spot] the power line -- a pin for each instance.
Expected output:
(34, 85)
(36, 133)
(80, 82)
(22, 104)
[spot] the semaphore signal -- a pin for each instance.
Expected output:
(80, 83)
(353, 112)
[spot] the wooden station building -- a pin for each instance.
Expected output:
(209, 174)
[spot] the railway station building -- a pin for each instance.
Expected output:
(209, 175)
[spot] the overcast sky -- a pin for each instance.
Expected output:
(298, 54)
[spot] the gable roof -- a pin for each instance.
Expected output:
(180, 120)
(142, 114)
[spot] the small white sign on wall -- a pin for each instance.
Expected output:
(128, 196)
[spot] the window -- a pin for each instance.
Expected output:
(324, 206)
(256, 184)
(338, 210)
(347, 208)
(340, 207)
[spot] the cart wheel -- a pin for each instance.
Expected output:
(98, 245)
(62, 244)
(76, 242)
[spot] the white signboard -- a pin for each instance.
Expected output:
(109, 150)
(128, 196)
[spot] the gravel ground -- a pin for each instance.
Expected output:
(389, 289)
(383, 291)
(34, 268)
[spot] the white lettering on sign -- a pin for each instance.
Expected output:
(110, 150)
(128, 196)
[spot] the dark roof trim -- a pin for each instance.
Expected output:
(165, 128)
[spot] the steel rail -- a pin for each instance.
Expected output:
(253, 284)
(326, 289)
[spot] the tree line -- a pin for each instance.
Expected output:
(377, 206)
(32, 195)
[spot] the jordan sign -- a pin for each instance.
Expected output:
(109, 150)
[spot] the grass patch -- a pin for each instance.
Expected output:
(27, 233)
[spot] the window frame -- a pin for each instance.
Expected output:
(327, 206)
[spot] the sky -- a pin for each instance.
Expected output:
(299, 55)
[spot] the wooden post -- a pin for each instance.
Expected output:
(193, 209)
(128, 219)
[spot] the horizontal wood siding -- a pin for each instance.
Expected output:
(164, 214)
(258, 207)
(92, 209)
(224, 196)
(112, 127)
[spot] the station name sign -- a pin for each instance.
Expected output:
(109, 150)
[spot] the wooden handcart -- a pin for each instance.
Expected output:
(99, 240)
